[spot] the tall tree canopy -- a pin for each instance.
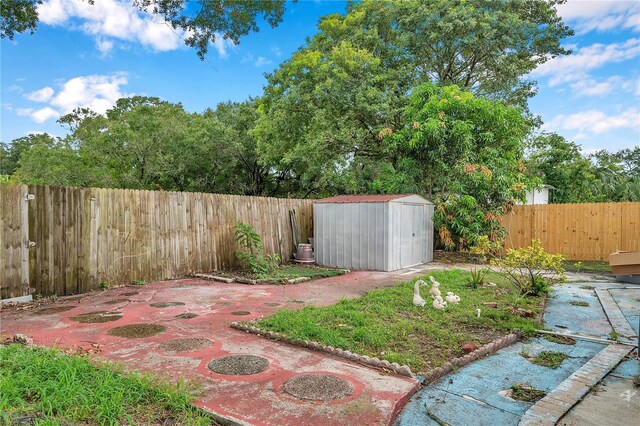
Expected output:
(202, 20)
(323, 108)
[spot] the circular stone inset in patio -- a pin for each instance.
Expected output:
(188, 315)
(166, 304)
(97, 317)
(239, 365)
(133, 331)
(193, 344)
(318, 387)
(225, 303)
(130, 293)
(271, 304)
(115, 301)
(53, 310)
(240, 313)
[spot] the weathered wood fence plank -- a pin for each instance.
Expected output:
(589, 231)
(86, 236)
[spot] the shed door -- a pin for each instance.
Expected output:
(413, 238)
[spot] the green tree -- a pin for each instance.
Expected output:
(202, 20)
(560, 163)
(465, 153)
(619, 173)
(11, 153)
(324, 108)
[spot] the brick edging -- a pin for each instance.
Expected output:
(375, 362)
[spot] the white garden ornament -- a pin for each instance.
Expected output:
(438, 303)
(435, 288)
(452, 298)
(417, 299)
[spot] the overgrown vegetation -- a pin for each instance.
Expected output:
(44, 386)
(251, 251)
(587, 266)
(531, 270)
(385, 323)
(548, 359)
(526, 393)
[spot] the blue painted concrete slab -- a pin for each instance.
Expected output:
(563, 317)
(628, 369)
(628, 300)
(477, 386)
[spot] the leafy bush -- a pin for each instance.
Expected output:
(531, 270)
(251, 251)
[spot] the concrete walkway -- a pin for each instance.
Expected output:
(479, 394)
(262, 398)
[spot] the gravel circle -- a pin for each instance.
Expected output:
(188, 315)
(193, 344)
(271, 304)
(166, 304)
(53, 310)
(130, 293)
(132, 331)
(225, 303)
(318, 387)
(97, 317)
(239, 365)
(240, 313)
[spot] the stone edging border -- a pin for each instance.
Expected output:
(375, 362)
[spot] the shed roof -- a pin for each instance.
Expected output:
(368, 198)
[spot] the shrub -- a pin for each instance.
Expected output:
(530, 269)
(250, 253)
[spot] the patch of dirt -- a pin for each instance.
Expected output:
(225, 303)
(636, 381)
(526, 393)
(455, 257)
(240, 313)
(318, 387)
(165, 304)
(115, 301)
(132, 331)
(239, 365)
(194, 344)
(130, 293)
(188, 315)
(271, 304)
(563, 340)
(97, 317)
(579, 303)
(53, 310)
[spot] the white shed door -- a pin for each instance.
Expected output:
(413, 235)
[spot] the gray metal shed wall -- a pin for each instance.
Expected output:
(351, 235)
(397, 225)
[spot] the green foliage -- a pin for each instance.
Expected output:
(105, 285)
(464, 152)
(139, 282)
(477, 276)
(226, 19)
(548, 359)
(530, 269)
(384, 323)
(251, 250)
(60, 389)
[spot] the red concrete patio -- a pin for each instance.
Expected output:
(257, 399)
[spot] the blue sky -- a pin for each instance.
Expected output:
(89, 56)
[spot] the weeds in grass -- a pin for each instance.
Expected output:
(55, 388)
(386, 324)
(587, 287)
(526, 393)
(562, 340)
(105, 285)
(139, 282)
(477, 277)
(614, 335)
(548, 359)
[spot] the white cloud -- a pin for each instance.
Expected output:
(111, 19)
(262, 61)
(222, 45)
(104, 46)
(42, 95)
(96, 92)
(601, 15)
(248, 57)
(276, 51)
(595, 121)
(38, 115)
(574, 67)
(591, 87)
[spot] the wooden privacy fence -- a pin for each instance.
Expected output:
(57, 240)
(589, 231)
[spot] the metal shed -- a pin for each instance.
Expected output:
(375, 232)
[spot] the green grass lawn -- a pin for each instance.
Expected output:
(45, 386)
(385, 323)
(587, 266)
